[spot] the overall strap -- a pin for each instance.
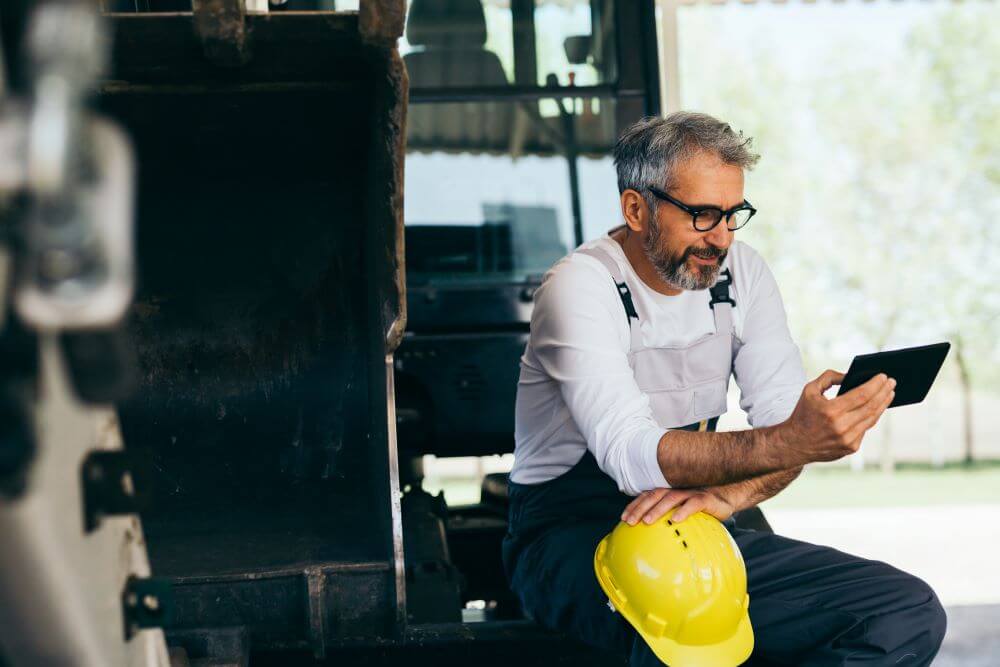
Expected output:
(722, 303)
(602, 256)
(704, 425)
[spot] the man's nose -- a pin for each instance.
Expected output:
(720, 236)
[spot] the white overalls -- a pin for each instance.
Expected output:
(808, 604)
(686, 385)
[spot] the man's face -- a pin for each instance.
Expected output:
(683, 257)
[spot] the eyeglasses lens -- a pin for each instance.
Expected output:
(740, 218)
(707, 219)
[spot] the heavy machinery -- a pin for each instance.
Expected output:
(555, 100)
(257, 345)
(268, 301)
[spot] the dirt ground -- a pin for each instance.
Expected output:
(953, 548)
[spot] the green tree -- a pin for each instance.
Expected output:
(915, 188)
(880, 181)
(960, 58)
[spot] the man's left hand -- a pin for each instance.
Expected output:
(649, 506)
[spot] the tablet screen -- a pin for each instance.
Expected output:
(914, 369)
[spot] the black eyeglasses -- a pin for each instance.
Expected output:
(705, 219)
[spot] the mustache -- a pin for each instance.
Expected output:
(705, 253)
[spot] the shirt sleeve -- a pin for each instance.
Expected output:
(768, 364)
(579, 336)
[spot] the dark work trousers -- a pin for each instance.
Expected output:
(809, 605)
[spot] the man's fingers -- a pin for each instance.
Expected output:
(890, 398)
(875, 401)
(865, 416)
(667, 503)
(640, 501)
(858, 396)
(827, 380)
(689, 507)
(638, 507)
(635, 501)
(858, 430)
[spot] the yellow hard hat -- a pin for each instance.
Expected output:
(682, 586)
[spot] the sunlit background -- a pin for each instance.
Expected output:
(878, 193)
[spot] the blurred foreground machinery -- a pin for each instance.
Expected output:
(267, 302)
(75, 584)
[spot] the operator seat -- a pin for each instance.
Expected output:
(449, 36)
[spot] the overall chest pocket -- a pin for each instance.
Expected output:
(671, 369)
(687, 384)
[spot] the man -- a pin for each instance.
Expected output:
(633, 339)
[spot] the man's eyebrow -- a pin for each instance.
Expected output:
(718, 206)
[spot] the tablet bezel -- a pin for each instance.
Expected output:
(914, 368)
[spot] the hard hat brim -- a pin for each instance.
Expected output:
(730, 652)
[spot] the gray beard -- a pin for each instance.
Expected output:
(674, 270)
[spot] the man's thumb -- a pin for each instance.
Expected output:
(828, 379)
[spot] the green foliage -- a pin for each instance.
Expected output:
(878, 187)
(911, 485)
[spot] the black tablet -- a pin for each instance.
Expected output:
(914, 369)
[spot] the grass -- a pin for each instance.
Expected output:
(910, 485)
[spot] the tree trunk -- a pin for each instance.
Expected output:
(888, 460)
(966, 381)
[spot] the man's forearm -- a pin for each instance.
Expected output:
(754, 491)
(698, 459)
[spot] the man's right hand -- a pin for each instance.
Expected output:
(826, 429)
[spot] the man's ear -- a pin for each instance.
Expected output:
(634, 210)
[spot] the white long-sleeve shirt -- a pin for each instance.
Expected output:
(577, 391)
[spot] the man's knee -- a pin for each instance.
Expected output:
(926, 601)
(914, 626)
(935, 618)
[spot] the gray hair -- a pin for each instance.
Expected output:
(648, 151)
